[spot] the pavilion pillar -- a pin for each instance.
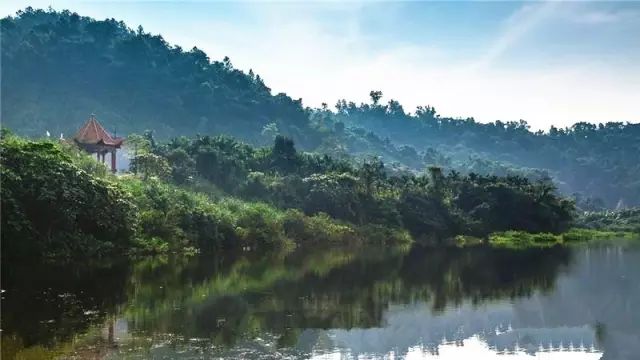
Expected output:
(113, 161)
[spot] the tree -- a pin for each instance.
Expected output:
(284, 155)
(151, 165)
(50, 207)
(182, 166)
(138, 144)
(375, 96)
(371, 173)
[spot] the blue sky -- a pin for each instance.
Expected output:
(544, 62)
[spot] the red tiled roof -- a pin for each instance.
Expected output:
(93, 133)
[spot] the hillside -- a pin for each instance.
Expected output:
(598, 161)
(58, 67)
(61, 66)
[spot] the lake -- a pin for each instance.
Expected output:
(331, 303)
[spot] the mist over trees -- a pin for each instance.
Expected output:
(58, 67)
(596, 160)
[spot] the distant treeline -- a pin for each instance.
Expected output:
(58, 67)
(587, 159)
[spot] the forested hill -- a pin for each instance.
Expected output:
(597, 161)
(58, 67)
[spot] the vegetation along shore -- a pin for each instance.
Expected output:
(216, 193)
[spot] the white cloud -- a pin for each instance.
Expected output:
(302, 57)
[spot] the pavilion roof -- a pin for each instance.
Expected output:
(93, 133)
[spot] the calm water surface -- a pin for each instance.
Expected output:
(578, 303)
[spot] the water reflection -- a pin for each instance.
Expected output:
(42, 304)
(335, 303)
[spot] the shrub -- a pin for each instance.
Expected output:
(51, 207)
(520, 239)
(319, 228)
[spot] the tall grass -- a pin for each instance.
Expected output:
(174, 219)
(520, 239)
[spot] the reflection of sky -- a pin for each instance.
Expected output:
(590, 314)
(477, 349)
(596, 292)
(414, 330)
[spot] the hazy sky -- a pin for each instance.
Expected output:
(544, 62)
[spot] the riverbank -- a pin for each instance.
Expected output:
(172, 219)
(522, 240)
(221, 195)
(58, 204)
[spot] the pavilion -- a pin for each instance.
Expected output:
(93, 138)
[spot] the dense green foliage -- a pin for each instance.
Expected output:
(61, 66)
(59, 202)
(591, 160)
(50, 206)
(428, 188)
(91, 65)
(431, 206)
(172, 219)
(523, 240)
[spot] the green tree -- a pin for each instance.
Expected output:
(150, 164)
(50, 207)
(375, 96)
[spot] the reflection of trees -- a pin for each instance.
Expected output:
(601, 292)
(592, 304)
(338, 291)
(234, 298)
(359, 293)
(454, 275)
(47, 304)
(293, 299)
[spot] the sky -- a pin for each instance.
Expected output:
(544, 62)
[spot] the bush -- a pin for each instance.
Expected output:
(259, 225)
(319, 229)
(520, 239)
(378, 234)
(50, 207)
